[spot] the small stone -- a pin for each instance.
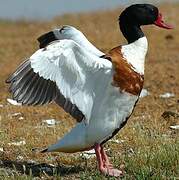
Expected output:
(144, 93)
(20, 158)
(131, 151)
(19, 143)
(116, 141)
(168, 114)
(92, 151)
(167, 95)
(13, 102)
(16, 114)
(21, 118)
(87, 156)
(175, 127)
(50, 122)
(169, 37)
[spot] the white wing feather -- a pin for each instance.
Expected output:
(70, 32)
(77, 72)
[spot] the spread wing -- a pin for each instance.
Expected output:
(64, 72)
(68, 32)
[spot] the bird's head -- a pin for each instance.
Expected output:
(143, 14)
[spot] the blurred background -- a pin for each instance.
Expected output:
(47, 9)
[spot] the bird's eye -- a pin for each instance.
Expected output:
(151, 10)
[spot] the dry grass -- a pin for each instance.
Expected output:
(149, 148)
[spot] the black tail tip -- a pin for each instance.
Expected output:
(44, 150)
(39, 150)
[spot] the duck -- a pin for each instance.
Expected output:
(99, 90)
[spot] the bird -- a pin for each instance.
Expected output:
(100, 90)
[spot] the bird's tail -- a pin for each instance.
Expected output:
(44, 150)
(74, 141)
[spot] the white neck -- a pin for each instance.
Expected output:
(135, 54)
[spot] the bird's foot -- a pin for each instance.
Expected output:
(110, 171)
(105, 167)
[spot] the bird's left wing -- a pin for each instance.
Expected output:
(68, 32)
(65, 72)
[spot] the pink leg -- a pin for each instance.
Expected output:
(103, 163)
(97, 149)
(105, 158)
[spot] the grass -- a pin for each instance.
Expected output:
(149, 148)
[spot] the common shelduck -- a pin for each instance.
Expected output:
(99, 90)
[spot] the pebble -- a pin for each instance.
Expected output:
(50, 122)
(167, 95)
(167, 114)
(13, 102)
(175, 127)
(19, 143)
(144, 93)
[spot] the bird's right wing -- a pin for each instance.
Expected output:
(68, 32)
(64, 68)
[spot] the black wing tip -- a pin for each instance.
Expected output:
(20, 67)
(46, 38)
(8, 80)
(39, 150)
(44, 150)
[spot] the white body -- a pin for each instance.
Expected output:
(86, 79)
(106, 118)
